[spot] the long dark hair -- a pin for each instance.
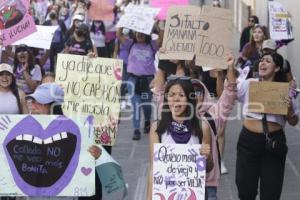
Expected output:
(14, 89)
(166, 115)
(31, 59)
(280, 76)
(102, 27)
(252, 45)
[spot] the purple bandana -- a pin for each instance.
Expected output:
(180, 132)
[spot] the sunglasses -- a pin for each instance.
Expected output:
(175, 77)
(251, 20)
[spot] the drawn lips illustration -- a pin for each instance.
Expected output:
(43, 162)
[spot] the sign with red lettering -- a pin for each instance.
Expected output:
(15, 21)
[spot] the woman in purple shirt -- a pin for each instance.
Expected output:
(141, 70)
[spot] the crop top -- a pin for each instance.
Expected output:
(243, 97)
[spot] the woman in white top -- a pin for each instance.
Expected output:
(261, 148)
(12, 99)
(179, 123)
(97, 34)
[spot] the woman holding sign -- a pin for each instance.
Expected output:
(179, 123)
(141, 70)
(261, 148)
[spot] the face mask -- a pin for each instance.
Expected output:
(52, 15)
(79, 33)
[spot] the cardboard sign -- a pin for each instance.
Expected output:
(181, 31)
(214, 42)
(45, 155)
(268, 97)
(279, 22)
(165, 5)
(138, 18)
(15, 21)
(178, 172)
(92, 87)
(42, 38)
(102, 10)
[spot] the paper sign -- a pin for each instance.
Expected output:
(178, 172)
(165, 4)
(111, 177)
(138, 18)
(92, 87)
(45, 155)
(268, 97)
(214, 42)
(279, 22)
(42, 38)
(181, 31)
(15, 21)
(102, 10)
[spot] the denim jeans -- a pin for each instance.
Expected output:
(210, 193)
(139, 101)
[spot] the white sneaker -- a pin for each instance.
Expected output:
(224, 170)
(123, 105)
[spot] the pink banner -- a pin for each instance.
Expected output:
(165, 4)
(102, 10)
(15, 21)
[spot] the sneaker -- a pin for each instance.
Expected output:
(147, 127)
(123, 105)
(136, 135)
(224, 170)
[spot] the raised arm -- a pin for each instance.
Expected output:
(207, 146)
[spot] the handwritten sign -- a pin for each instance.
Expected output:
(181, 33)
(15, 21)
(92, 87)
(138, 18)
(111, 177)
(45, 155)
(178, 172)
(102, 10)
(165, 5)
(214, 42)
(268, 97)
(42, 38)
(280, 22)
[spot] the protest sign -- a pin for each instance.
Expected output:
(279, 22)
(165, 5)
(92, 87)
(45, 155)
(111, 177)
(102, 10)
(15, 21)
(268, 97)
(214, 42)
(42, 38)
(178, 172)
(138, 18)
(182, 28)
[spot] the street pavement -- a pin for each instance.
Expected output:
(134, 157)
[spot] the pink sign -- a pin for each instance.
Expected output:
(15, 21)
(165, 4)
(102, 10)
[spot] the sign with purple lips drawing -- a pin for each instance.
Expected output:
(45, 155)
(178, 172)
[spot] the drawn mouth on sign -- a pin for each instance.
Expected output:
(43, 162)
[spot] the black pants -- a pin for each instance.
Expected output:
(254, 163)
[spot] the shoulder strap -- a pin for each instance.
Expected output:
(214, 128)
(211, 122)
